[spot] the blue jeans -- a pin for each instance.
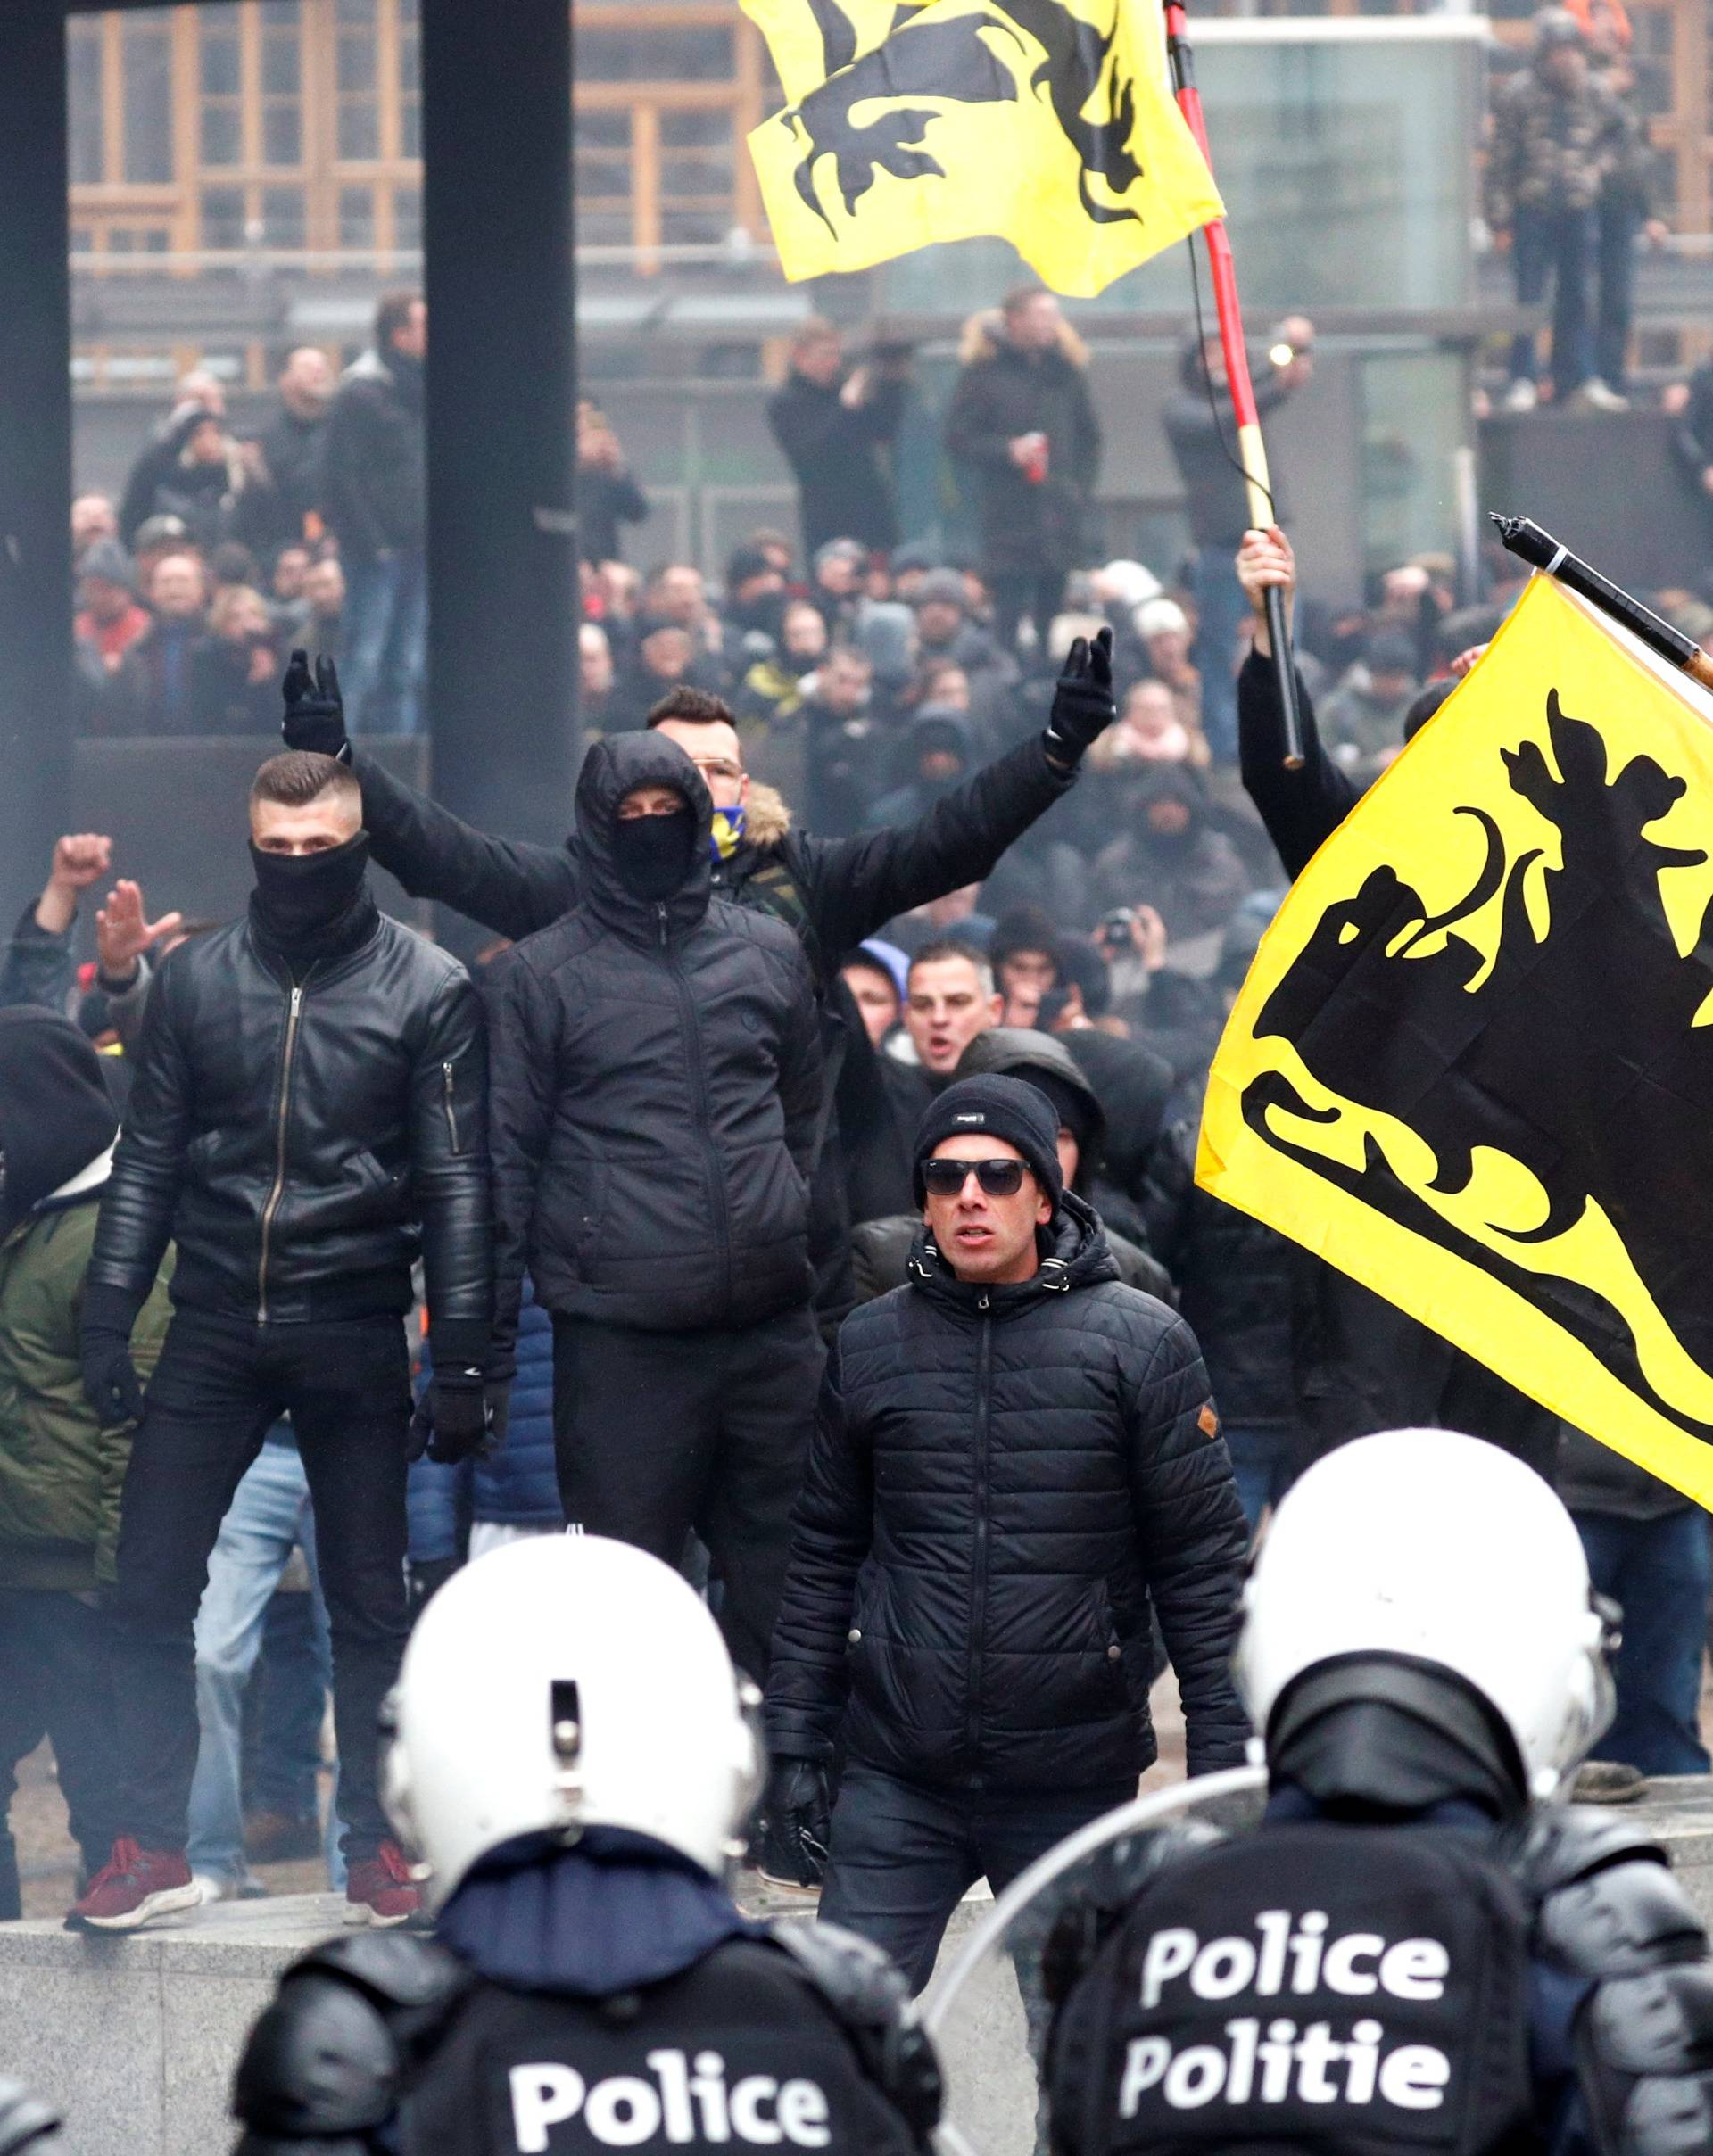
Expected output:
(1221, 611)
(901, 1856)
(1265, 1463)
(386, 643)
(1661, 1571)
(1559, 245)
(267, 1518)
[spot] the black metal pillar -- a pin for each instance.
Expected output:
(35, 451)
(502, 567)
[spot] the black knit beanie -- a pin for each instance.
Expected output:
(55, 1112)
(999, 1107)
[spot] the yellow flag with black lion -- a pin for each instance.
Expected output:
(1472, 1065)
(1050, 123)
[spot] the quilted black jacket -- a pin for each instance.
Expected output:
(1001, 1481)
(657, 1085)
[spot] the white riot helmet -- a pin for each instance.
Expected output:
(1441, 1551)
(563, 1683)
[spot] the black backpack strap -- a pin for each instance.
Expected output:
(864, 1990)
(325, 2061)
(1607, 1908)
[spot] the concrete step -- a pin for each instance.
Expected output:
(135, 2039)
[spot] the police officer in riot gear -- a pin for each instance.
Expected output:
(1419, 1948)
(574, 1757)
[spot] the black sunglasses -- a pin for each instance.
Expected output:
(998, 1178)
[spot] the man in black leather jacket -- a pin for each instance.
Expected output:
(309, 1113)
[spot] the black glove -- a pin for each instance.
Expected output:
(424, 1579)
(315, 713)
(1082, 703)
(110, 1379)
(798, 1807)
(451, 1423)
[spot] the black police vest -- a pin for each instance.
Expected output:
(738, 2053)
(1305, 1988)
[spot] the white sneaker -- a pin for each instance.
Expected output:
(1596, 396)
(1522, 396)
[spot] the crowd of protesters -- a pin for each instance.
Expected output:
(866, 1014)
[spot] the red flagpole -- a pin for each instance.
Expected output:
(1252, 450)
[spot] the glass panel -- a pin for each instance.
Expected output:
(83, 99)
(147, 59)
(690, 54)
(695, 130)
(356, 217)
(222, 218)
(282, 49)
(406, 216)
(356, 61)
(220, 56)
(282, 216)
(359, 132)
(281, 135)
(222, 133)
(355, 11)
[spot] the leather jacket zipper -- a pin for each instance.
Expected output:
(452, 1110)
(699, 1089)
(978, 1570)
(278, 1191)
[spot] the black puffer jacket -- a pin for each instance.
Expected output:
(290, 1139)
(657, 1088)
(1028, 527)
(1001, 1481)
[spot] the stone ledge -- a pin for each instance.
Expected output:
(134, 2039)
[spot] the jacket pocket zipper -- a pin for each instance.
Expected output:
(451, 1106)
(278, 1191)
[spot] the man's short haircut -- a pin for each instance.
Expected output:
(300, 775)
(1025, 928)
(813, 329)
(692, 707)
(392, 314)
(865, 962)
(949, 947)
(1019, 296)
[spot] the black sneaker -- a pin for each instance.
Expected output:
(791, 1856)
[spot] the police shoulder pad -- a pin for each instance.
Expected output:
(1556, 1843)
(322, 2064)
(1622, 1921)
(396, 1969)
(866, 1993)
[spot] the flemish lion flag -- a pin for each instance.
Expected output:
(1049, 123)
(1472, 1065)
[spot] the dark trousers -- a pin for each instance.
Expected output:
(282, 1712)
(1037, 596)
(660, 1432)
(1555, 246)
(1661, 1573)
(218, 1385)
(901, 1856)
(1619, 220)
(56, 1682)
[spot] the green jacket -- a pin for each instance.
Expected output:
(60, 1473)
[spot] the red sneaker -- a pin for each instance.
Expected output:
(133, 1889)
(379, 1889)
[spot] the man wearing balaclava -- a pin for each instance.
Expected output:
(656, 1093)
(309, 1114)
(61, 1464)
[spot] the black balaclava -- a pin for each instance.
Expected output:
(652, 854)
(301, 898)
(55, 1112)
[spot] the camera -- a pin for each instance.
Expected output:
(1114, 927)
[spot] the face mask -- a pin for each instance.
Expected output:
(652, 854)
(728, 831)
(301, 895)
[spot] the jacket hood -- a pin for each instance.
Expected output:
(612, 768)
(1021, 1052)
(984, 337)
(56, 1115)
(1079, 1257)
(767, 818)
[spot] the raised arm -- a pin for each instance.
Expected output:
(1302, 808)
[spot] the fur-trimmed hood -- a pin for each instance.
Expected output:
(767, 819)
(984, 337)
